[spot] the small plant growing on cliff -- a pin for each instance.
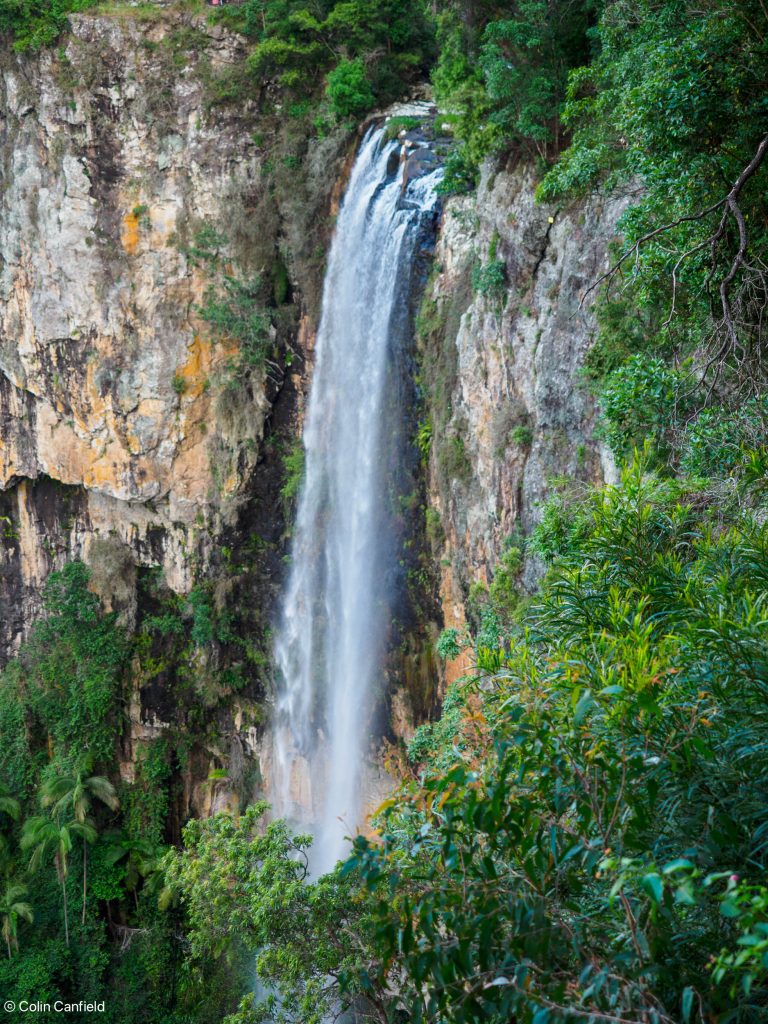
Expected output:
(424, 438)
(450, 644)
(236, 312)
(141, 213)
(490, 280)
(179, 384)
(293, 468)
(395, 125)
(205, 247)
(453, 460)
(522, 435)
(434, 529)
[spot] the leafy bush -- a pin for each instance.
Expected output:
(37, 23)
(293, 469)
(597, 835)
(348, 89)
(490, 280)
(559, 530)
(638, 404)
(73, 663)
(247, 901)
(237, 312)
(453, 460)
(714, 443)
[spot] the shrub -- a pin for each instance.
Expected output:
(638, 403)
(714, 443)
(293, 474)
(522, 435)
(348, 89)
(490, 280)
(236, 312)
(453, 460)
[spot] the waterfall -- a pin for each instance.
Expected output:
(331, 635)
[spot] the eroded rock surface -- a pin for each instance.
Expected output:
(510, 276)
(109, 381)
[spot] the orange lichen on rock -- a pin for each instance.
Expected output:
(129, 235)
(194, 372)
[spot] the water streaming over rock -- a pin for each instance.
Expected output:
(336, 607)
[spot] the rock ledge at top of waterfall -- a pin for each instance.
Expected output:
(423, 145)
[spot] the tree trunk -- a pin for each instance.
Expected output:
(85, 876)
(66, 912)
(8, 944)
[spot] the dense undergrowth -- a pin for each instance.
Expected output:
(583, 834)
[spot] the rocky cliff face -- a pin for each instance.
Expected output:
(120, 414)
(507, 336)
(108, 380)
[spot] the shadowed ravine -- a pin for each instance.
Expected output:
(330, 636)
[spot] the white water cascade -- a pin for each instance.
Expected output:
(331, 633)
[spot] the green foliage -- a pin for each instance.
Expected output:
(364, 50)
(450, 644)
(199, 602)
(676, 98)
(434, 528)
(501, 73)
(453, 460)
(424, 438)
(146, 801)
(395, 125)
(236, 312)
(490, 280)
(246, 899)
(525, 59)
(504, 592)
(37, 23)
(206, 246)
(717, 441)
(559, 531)
(522, 435)
(293, 474)
(639, 403)
(348, 89)
(571, 845)
(73, 663)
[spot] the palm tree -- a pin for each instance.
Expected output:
(76, 792)
(48, 838)
(12, 907)
(10, 806)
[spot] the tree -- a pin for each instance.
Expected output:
(10, 806)
(13, 908)
(246, 896)
(348, 89)
(75, 792)
(51, 839)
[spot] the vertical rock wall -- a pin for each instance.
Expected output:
(507, 337)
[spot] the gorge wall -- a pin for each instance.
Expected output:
(133, 435)
(504, 338)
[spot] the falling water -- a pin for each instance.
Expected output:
(330, 639)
